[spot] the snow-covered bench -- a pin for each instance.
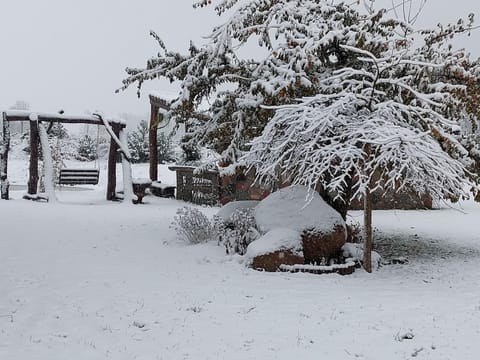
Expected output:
(163, 190)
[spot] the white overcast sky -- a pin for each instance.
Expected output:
(71, 54)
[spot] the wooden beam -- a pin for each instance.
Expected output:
(33, 170)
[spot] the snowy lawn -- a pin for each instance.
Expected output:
(87, 279)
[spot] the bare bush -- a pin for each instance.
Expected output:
(192, 226)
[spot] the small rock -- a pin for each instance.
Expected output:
(139, 324)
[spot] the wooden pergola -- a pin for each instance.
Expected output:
(158, 107)
(114, 128)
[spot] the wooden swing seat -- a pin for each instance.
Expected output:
(78, 177)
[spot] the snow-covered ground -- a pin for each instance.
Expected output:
(88, 279)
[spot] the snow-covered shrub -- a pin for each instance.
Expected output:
(239, 232)
(355, 252)
(192, 226)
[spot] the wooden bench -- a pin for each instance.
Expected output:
(78, 177)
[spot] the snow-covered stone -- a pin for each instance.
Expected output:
(277, 247)
(297, 208)
(300, 209)
(278, 239)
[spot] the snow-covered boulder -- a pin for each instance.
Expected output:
(226, 211)
(300, 209)
(277, 247)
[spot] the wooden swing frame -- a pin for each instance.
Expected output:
(115, 130)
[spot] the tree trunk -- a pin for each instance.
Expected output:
(367, 213)
(33, 170)
(367, 247)
(152, 144)
(5, 146)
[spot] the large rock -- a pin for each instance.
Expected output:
(320, 247)
(276, 247)
(303, 210)
(271, 262)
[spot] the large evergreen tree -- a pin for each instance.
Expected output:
(307, 48)
(300, 44)
(341, 101)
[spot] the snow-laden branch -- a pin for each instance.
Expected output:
(323, 144)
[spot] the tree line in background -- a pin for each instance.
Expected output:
(138, 144)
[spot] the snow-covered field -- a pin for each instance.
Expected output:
(87, 279)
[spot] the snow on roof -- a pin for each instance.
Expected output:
(298, 208)
(163, 95)
(274, 240)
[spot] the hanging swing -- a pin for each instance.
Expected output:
(86, 176)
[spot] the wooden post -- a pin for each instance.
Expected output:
(112, 167)
(5, 145)
(152, 145)
(33, 177)
(367, 214)
(180, 184)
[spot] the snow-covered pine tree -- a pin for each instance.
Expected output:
(138, 143)
(302, 43)
(372, 101)
(165, 148)
(87, 148)
(298, 43)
